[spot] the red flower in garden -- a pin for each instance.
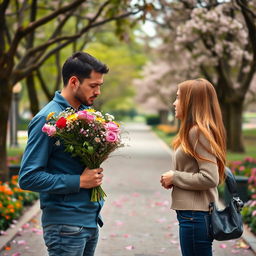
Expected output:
(61, 123)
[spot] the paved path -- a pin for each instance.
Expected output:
(138, 221)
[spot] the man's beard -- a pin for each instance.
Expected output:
(84, 101)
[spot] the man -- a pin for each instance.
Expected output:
(69, 219)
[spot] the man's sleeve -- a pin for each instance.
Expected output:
(33, 173)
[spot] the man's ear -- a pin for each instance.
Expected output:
(74, 82)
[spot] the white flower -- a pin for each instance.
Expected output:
(98, 114)
(97, 139)
(109, 117)
(57, 143)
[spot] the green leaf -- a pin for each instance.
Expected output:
(90, 150)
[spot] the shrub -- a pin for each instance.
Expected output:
(247, 167)
(243, 167)
(168, 129)
(153, 119)
(12, 201)
(249, 214)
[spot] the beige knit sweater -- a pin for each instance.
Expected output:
(194, 181)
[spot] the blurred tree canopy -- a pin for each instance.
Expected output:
(33, 31)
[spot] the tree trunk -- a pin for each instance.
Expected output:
(226, 120)
(231, 103)
(33, 99)
(232, 113)
(5, 98)
(163, 116)
(235, 127)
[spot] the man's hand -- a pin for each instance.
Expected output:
(91, 178)
(166, 179)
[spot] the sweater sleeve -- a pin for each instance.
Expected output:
(33, 174)
(207, 175)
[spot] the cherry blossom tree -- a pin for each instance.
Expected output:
(218, 40)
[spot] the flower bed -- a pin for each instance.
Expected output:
(247, 167)
(168, 129)
(12, 201)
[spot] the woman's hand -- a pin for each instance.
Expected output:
(166, 179)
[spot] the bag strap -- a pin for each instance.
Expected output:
(231, 182)
(232, 188)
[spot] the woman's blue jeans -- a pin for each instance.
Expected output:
(65, 240)
(195, 239)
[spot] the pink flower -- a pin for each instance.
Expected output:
(111, 136)
(84, 115)
(49, 129)
(111, 126)
(241, 168)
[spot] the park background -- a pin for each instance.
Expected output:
(150, 47)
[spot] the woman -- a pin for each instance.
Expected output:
(200, 149)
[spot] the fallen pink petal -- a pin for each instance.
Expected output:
(223, 246)
(27, 225)
(21, 242)
(119, 223)
(129, 247)
(161, 220)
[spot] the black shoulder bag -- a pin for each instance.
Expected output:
(227, 224)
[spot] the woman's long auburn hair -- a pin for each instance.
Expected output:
(200, 108)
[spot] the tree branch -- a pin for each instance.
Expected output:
(21, 32)
(3, 7)
(43, 84)
(32, 52)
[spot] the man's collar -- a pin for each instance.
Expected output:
(64, 103)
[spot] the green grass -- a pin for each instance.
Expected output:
(249, 142)
(250, 146)
(15, 151)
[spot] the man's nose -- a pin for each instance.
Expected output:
(97, 91)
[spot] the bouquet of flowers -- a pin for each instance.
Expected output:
(87, 134)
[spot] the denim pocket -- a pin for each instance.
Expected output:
(185, 215)
(67, 230)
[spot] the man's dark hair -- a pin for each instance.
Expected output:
(81, 64)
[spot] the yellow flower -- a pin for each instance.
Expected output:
(50, 115)
(116, 123)
(90, 110)
(72, 118)
(101, 120)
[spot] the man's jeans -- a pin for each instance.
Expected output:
(65, 240)
(195, 239)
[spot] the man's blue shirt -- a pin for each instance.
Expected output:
(46, 168)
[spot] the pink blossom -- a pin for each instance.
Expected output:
(111, 126)
(111, 136)
(49, 129)
(241, 168)
(84, 115)
(254, 213)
